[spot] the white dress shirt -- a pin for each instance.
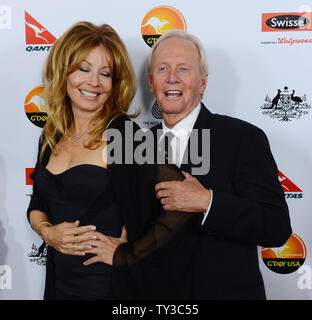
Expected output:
(182, 131)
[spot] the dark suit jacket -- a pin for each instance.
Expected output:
(248, 209)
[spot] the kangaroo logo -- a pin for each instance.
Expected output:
(156, 23)
(37, 30)
(38, 102)
(36, 33)
(291, 191)
(35, 108)
(281, 179)
(158, 20)
(38, 255)
(277, 251)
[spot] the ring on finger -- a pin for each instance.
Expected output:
(71, 250)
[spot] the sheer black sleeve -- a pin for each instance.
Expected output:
(164, 228)
(158, 264)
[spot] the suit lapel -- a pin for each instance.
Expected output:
(203, 121)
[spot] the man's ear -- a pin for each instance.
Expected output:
(150, 83)
(203, 84)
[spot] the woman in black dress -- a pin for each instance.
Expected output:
(89, 84)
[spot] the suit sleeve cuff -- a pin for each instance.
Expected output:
(206, 213)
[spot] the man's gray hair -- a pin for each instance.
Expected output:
(176, 33)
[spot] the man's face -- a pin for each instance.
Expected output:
(175, 78)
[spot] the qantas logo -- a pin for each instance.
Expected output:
(290, 189)
(38, 38)
(29, 181)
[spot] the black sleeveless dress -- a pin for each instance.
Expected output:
(79, 193)
(158, 241)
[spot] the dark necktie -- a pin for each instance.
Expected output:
(165, 147)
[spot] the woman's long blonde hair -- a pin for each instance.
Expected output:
(64, 58)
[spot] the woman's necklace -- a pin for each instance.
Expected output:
(78, 136)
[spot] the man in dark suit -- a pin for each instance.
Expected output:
(239, 200)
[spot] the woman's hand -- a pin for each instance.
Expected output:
(104, 247)
(68, 237)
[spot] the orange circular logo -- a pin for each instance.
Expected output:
(287, 258)
(159, 20)
(35, 108)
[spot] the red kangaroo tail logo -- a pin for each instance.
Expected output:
(36, 33)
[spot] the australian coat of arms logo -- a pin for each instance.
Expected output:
(286, 105)
(38, 255)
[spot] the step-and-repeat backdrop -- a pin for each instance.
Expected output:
(260, 55)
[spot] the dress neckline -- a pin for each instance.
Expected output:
(73, 168)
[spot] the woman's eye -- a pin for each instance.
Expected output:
(106, 74)
(83, 69)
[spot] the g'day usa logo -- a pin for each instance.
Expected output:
(287, 258)
(35, 108)
(285, 105)
(159, 20)
(38, 38)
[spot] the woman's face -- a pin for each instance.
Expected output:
(91, 84)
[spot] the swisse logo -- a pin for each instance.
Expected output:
(286, 22)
